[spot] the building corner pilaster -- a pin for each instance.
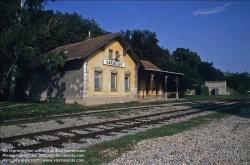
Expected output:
(85, 77)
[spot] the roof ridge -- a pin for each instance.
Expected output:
(88, 39)
(82, 49)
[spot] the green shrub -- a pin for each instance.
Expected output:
(205, 91)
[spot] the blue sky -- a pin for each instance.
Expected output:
(219, 31)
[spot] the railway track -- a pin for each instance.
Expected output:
(103, 111)
(93, 112)
(79, 134)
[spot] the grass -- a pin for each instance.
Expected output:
(214, 97)
(28, 121)
(92, 154)
(42, 109)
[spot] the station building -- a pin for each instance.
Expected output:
(103, 70)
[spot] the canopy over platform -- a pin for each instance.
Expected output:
(154, 82)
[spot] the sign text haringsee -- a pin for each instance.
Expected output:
(114, 63)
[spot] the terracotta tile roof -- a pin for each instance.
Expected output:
(82, 49)
(149, 66)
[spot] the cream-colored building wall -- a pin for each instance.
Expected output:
(97, 60)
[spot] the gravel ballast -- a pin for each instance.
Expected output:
(224, 141)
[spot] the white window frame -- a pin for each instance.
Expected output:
(115, 76)
(100, 81)
(128, 85)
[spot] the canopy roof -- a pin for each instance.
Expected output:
(151, 67)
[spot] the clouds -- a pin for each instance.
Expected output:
(210, 11)
(237, 20)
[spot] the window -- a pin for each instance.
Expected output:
(126, 83)
(113, 81)
(110, 54)
(117, 55)
(97, 81)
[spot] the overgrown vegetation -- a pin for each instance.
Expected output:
(28, 32)
(126, 143)
(238, 81)
(24, 28)
(205, 91)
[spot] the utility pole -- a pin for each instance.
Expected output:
(22, 3)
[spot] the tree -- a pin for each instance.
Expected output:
(73, 28)
(208, 73)
(239, 81)
(186, 62)
(145, 45)
(23, 30)
(191, 58)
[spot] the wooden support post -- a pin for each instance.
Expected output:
(166, 85)
(177, 87)
(152, 79)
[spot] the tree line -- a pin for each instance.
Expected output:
(28, 33)
(183, 60)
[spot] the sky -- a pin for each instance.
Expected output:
(218, 31)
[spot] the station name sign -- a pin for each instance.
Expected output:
(114, 63)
